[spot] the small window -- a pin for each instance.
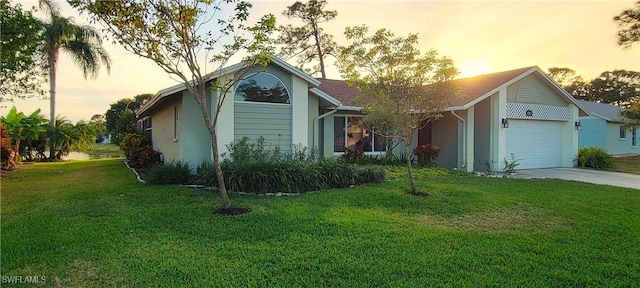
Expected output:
(262, 87)
(634, 137)
(349, 133)
(623, 133)
(175, 122)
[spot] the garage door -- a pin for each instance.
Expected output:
(537, 143)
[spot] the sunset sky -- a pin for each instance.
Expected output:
(481, 37)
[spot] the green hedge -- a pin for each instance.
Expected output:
(174, 172)
(263, 177)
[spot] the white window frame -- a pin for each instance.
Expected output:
(623, 133)
(634, 137)
(346, 132)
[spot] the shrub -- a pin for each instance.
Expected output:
(243, 151)
(144, 157)
(594, 157)
(353, 154)
(426, 154)
(131, 142)
(369, 174)
(262, 177)
(174, 172)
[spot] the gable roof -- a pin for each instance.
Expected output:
(605, 111)
(474, 89)
(162, 94)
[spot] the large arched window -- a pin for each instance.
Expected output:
(262, 87)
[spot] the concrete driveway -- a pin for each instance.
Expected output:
(584, 175)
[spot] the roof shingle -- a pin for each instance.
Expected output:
(472, 88)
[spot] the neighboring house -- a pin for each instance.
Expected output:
(288, 107)
(604, 128)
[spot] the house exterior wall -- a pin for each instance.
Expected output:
(195, 141)
(327, 136)
(482, 134)
(616, 145)
(300, 108)
(271, 121)
(162, 129)
(547, 95)
(593, 129)
(445, 134)
(312, 112)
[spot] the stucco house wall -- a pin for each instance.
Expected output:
(617, 145)
(162, 130)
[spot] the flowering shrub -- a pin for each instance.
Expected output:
(426, 153)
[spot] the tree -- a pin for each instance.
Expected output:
(99, 125)
(619, 87)
(628, 26)
(67, 136)
(166, 32)
(572, 83)
(20, 72)
(632, 115)
(121, 119)
(308, 43)
(22, 127)
(82, 42)
(400, 87)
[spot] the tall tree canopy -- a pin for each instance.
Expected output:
(82, 42)
(632, 115)
(20, 36)
(400, 87)
(307, 43)
(121, 119)
(167, 33)
(628, 26)
(619, 87)
(570, 81)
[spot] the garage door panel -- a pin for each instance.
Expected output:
(537, 143)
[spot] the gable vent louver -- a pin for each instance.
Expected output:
(528, 93)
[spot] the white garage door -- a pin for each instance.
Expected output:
(537, 143)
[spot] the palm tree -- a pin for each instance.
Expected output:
(82, 42)
(66, 137)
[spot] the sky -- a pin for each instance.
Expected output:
(480, 36)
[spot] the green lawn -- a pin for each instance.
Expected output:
(90, 224)
(628, 164)
(100, 150)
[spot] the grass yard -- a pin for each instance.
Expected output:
(628, 164)
(101, 150)
(90, 224)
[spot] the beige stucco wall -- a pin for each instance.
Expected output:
(162, 129)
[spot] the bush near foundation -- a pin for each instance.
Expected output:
(594, 157)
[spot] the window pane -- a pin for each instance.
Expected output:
(262, 87)
(354, 131)
(623, 133)
(380, 143)
(338, 134)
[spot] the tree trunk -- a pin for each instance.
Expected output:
(53, 62)
(226, 203)
(16, 151)
(412, 181)
(319, 50)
